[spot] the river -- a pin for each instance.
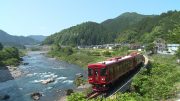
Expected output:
(41, 68)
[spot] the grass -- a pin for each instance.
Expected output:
(168, 59)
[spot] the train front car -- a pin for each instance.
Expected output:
(103, 74)
(97, 76)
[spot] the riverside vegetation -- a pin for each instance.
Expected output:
(9, 56)
(83, 57)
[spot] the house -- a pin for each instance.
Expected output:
(135, 46)
(160, 46)
(172, 48)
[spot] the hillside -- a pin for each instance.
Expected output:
(91, 33)
(11, 40)
(124, 21)
(126, 28)
(165, 26)
(39, 38)
(88, 33)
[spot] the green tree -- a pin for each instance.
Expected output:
(68, 50)
(150, 47)
(178, 53)
(11, 52)
(106, 53)
(9, 56)
(1, 46)
(11, 62)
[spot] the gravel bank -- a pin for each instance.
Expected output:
(9, 73)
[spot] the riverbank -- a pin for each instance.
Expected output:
(10, 58)
(80, 89)
(9, 73)
(83, 57)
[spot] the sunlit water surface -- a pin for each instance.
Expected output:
(41, 68)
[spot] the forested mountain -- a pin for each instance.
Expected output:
(39, 38)
(124, 21)
(165, 26)
(91, 33)
(88, 33)
(11, 40)
(126, 28)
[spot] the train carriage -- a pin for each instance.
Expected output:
(105, 73)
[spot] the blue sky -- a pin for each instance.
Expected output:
(45, 17)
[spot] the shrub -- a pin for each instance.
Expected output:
(106, 53)
(79, 81)
(95, 53)
(158, 83)
(69, 92)
(68, 50)
(76, 97)
(129, 97)
(35, 49)
(178, 53)
(11, 62)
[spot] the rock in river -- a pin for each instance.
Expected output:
(49, 80)
(36, 96)
(25, 63)
(4, 97)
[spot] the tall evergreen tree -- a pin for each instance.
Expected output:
(1, 46)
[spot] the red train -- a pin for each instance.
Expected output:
(103, 74)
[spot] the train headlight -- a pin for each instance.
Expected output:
(103, 79)
(90, 78)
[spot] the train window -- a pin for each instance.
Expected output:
(96, 72)
(120, 67)
(114, 71)
(103, 72)
(125, 64)
(90, 72)
(111, 70)
(117, 69)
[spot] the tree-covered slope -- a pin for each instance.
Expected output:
(38, 38)
(124, 21)
(165, 26)
(88, 33)
(11, 40)
(126, 28)
(91, 33)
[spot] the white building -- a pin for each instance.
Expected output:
(172, 48)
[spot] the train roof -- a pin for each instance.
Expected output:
(113, 60)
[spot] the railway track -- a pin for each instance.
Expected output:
(121, 85)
